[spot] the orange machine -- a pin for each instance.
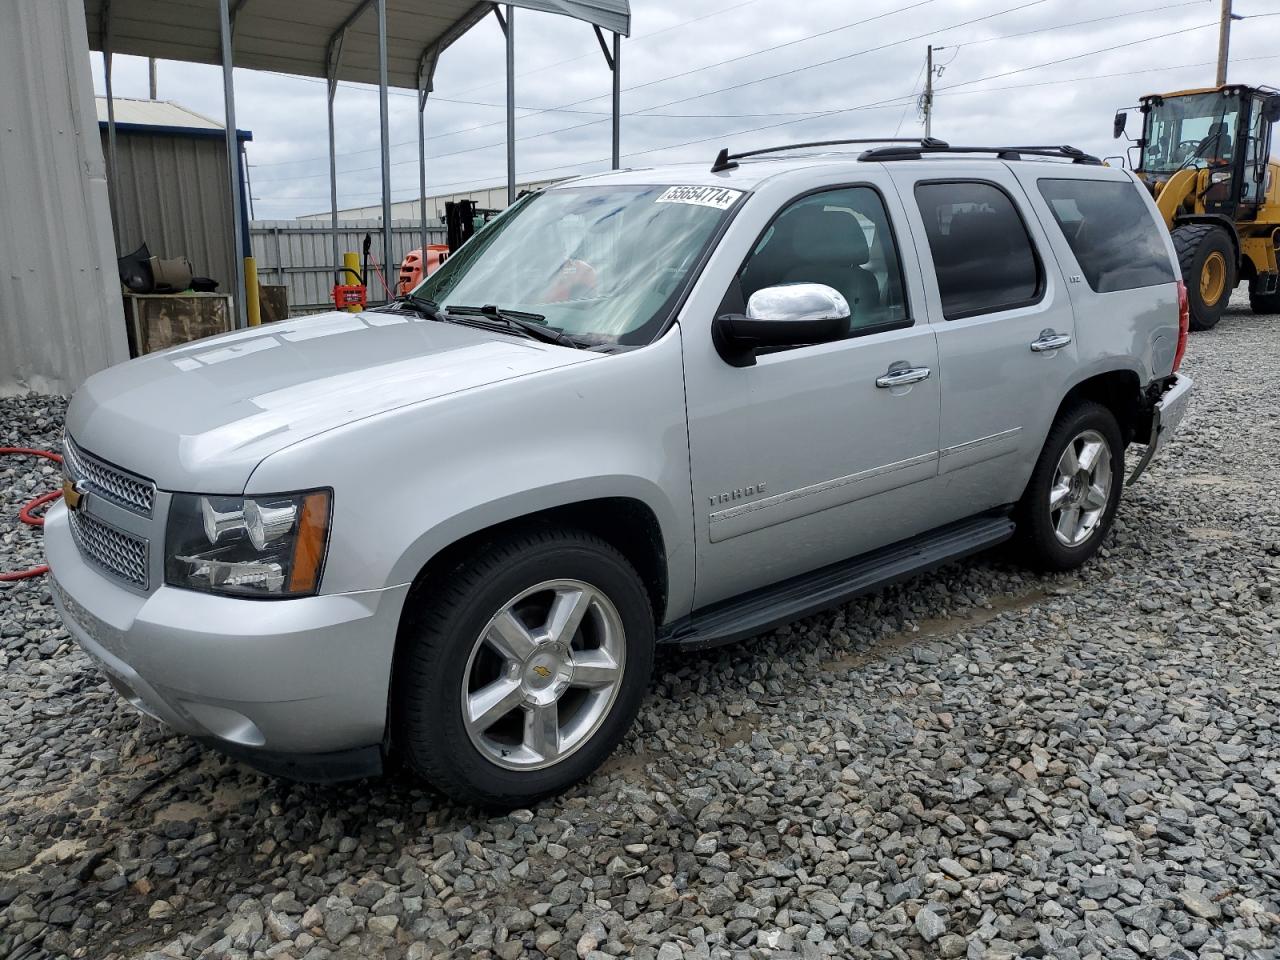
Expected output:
(411, 267)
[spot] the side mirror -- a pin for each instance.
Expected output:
(1118, 125)
(1271, 109)
(789, 315)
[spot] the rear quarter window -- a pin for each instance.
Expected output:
(1111, 231)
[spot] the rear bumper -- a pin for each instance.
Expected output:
(279, 680)
(1166, 417)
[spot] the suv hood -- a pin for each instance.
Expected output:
(202, 416)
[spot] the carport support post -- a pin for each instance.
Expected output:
(426, 74)
(331, 78)
(617, 100)
(510, 28)
(387, 251)
(233, 161)
(614, 61)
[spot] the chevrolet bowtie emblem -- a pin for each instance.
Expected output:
(542, 671)
(73, 494)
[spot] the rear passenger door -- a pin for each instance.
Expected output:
(1005, 328)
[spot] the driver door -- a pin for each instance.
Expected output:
(810, 456)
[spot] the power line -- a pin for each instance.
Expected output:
(908, 100)
(952, 87)
(639, 38)
(652, 111)
(1082, 23)
(647, 110)
(567, 108)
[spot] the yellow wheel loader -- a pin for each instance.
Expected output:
(1205, 156)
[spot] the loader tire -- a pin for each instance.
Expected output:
(1208, 261)
(1263, 302)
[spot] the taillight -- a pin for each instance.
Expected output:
(1184, 325)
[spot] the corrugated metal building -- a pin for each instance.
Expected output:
(60, 313)
(170, 186)
(487, 198)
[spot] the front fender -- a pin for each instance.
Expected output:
(523, 503)
(410, 482)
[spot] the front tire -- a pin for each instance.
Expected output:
(1074, 491)
(1208, 262)
(523, 668)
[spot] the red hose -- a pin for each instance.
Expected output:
(27, 513)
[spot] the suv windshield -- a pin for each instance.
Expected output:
(604, 264)
(1193, 131)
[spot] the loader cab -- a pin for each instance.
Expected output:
(1225, 131)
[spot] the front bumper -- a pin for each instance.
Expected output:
(1166, 417)
(275, 682)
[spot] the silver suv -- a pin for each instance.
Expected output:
(672, 406)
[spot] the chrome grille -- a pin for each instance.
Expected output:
(121, 487)
(118, 553)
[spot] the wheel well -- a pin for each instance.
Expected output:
(1119, 391)
(627, 525)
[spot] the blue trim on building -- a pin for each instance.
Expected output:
(203, 133)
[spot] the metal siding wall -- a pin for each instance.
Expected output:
(297, 254)
(491, 198)
(61, 315)
(172, 193)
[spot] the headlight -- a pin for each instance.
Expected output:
(261, 546)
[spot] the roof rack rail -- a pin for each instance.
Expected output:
(728, 161)
(1064, 152)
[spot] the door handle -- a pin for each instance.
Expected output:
(901, 376)
(1048, 341)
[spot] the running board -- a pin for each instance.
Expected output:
(809, 593)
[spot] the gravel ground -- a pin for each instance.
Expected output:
(980, 763)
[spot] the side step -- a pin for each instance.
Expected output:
(809, 593)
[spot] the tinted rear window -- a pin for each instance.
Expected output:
(1111, 231)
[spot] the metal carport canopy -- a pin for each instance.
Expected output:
(398, 46)
(292, 36)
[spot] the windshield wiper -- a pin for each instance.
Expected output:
(420, 305)
(533, 325)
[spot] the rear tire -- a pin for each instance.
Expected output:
(1052, 536)
(523, 667)
(1263, 302)
(1208, 261)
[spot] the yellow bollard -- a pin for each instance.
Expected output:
(351, 261)
(252, 305)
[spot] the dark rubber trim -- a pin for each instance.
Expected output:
(333, 767)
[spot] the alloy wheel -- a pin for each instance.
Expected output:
(1081, 488)
(543, 674)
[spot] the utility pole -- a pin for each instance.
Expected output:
(926, 102)
(151, 73)
(1224, 41)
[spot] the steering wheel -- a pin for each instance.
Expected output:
(1190, 147)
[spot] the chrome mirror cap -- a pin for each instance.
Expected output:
(798, 302)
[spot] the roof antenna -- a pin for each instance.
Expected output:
(723, 162)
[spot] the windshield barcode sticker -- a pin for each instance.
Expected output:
(717, 197)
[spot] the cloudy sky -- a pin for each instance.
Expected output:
(699, 74)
